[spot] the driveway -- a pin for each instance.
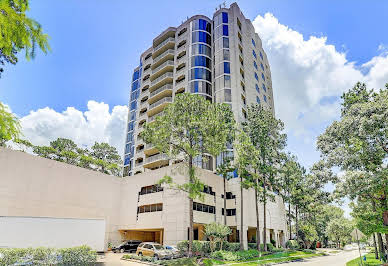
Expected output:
(334, 259)
(114, 259)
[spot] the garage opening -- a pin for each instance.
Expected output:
(144, 235)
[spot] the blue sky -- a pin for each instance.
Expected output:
(96, 44)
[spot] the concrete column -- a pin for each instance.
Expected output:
(245, 237)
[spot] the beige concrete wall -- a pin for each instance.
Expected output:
(38, 187)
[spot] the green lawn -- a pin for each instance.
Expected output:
(277, 257)
(370, 260)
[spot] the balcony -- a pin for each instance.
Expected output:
(156, 160)
(162, 80)
(167, 55)
(163, 68)
(158, 106)
(160, 93)
(168, 43)
(152, 119)
(150, 149)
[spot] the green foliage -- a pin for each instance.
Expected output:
(292, 244)
(216, 233)
(308, 234)
(19, 32)
(339, 231)
(102, 157)
(9, 124)
(48, 256)
(236, 255)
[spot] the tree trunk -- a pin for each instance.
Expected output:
(242, 215)
(224, 200)
(257, 217)
(386, 241)
(296, 222)
(289, 218)
(191, 226)
(265, 217)
(375, 245)
(379, 237)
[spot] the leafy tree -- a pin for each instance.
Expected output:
(216, 233)
(225, 169)
(19, 32)
(358, 143)
(339, 231)
(9, 125)
(265, 134)
(190, 127)
(308, 234)
(107, 157)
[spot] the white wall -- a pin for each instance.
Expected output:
(24, 232)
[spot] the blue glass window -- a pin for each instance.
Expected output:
(256, 77)
(200, 73)
(201, 87)
(202, 24)
(135, 75)
(265, 98)
(262, 76)
(130, 137)
(135, 95)
(200, 36)
(224, 17)
(201, 61)
(227, 67)
(254, 54)
(225, 30)
(261, 55)
(133, 105)
(126, 160)
(254, 64)
(264, 88)
(258, 99)
(127, 146)
(131, 126)
(262, 67)
(132, 115)
(253, 42)
(135, 85)
(257, 88)
(201, 49)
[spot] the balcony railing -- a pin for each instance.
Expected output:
(165, 87)
(169, 51)
(142, 115)
(152, 118)
(166, 75)
(157, 157)
(164, 100)
(171, 39)
(167, 63)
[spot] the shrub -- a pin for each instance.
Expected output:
(235, 256)
(183, 246)
(232, 246)
(292, 244)
(273, 242)
(48, 256)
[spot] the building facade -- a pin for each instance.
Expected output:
(221, 59)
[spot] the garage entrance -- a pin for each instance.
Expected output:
(144, 235)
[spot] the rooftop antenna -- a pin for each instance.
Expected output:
(224, 4)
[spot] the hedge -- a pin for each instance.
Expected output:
(235, 255)
(270, 247)
(292, 244)
(82, 255)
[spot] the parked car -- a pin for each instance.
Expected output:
(127, 246)
(153, 250)
(173, 250)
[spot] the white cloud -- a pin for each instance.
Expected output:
(308, 71)
(95, 124)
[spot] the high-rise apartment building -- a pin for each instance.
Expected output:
(221, 59)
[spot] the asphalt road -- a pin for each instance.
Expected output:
(114, 259)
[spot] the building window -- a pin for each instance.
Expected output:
(254, 54)
(208, 190)
(200, 36)
(158, 207)
(264, 88)
(200, 73)
(150, 189)
(201, 87)
(225, 30)
(203, 208)
(202, 24)
(224, 17)
(261, 56)
(256, 76)
(262, 67)
(262, 76)
(265, 98)
(258, 99)
(257, 88)
(254, 64)
(201, 61)
(226, 67)
(229, 195)
(201, 49)
(253, 42)
(229, 212)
